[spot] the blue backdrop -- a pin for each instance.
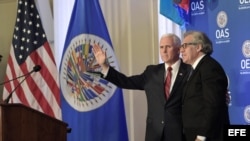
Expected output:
(227, 23)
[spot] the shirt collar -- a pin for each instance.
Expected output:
(197, 61)
(175, 66)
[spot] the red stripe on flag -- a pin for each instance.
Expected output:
(53, 85)
(37, 86)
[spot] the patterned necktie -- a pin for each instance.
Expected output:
(168, 83)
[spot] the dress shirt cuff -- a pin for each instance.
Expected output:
(202, 138)
(105, 72)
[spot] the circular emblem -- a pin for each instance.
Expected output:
(221, 19)
(247, 114)
(246, 48)
(81, 86)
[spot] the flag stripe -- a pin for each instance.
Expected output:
(50, 78)
(48, 74)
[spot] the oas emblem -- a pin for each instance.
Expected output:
(83, 90)
(221, 19)
(246, 48)
(247, 114)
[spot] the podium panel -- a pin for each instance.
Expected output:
(21, 123)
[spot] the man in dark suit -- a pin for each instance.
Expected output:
(164, 115)
(205, 111)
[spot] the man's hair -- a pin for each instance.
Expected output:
(201, 38)
(176, 39)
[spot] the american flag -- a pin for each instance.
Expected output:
(38, 90)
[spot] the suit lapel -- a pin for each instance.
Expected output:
(161, 78)
(181, 75)
(193, 75)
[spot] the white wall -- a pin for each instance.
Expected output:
(7, 22)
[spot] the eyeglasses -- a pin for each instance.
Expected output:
(167, 46)
(185, 45)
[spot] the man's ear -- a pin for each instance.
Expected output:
(199, 47)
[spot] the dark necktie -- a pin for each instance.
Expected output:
(190, 73)
(168, 83)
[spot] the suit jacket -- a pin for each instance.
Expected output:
(163, 117)
(205, 111)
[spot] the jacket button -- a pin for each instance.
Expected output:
(162, 122)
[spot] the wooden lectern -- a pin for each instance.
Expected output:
(21, 123)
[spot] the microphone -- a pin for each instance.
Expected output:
(35, 69)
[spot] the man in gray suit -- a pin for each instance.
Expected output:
(163, 115)
(205, 110)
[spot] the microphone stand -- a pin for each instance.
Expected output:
(6, 101)
(16, 78)
(35, 69)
